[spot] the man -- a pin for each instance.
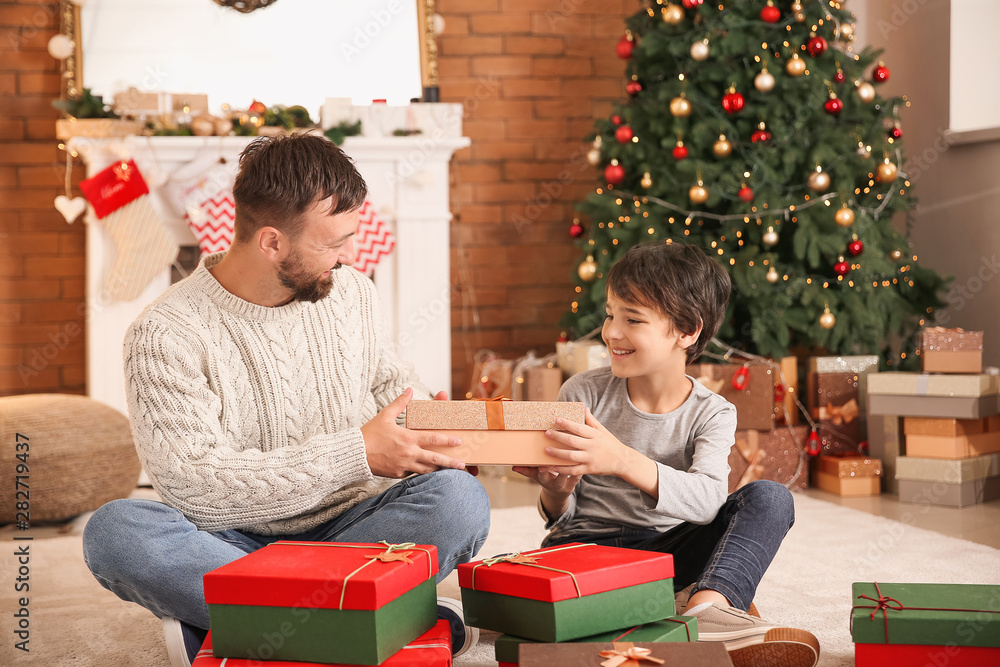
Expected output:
(264, 398)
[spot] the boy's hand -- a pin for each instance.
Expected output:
(593, 450)
(560, 485)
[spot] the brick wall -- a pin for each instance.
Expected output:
(41, 257)
(532, 76)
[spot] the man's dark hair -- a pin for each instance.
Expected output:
(677, 280)
(281, 177)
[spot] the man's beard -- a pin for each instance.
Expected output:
(304, 285)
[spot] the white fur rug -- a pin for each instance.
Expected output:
(75, 622)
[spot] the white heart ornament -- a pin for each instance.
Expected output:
(71, 208)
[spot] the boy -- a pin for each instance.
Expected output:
(649, 469)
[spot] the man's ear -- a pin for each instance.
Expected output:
(272, 244)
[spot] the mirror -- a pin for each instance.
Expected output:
(291, 52)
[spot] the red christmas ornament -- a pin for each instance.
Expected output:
(614, 173)
(616, 119)
(691, 4)
(623, 134)
(732, 101)
(855, 247)
(680, 151)
(895, 132)
(633, 88)
(839, 76)
(770, 14)
(257, 107)
(741, 377)
(779, 393)
(746, 194)
(624, 48)
(833, 106)
(760, 135)
(880, 74)
(576, 230)
(863, 447)
(842, 268)
(813, 443)
(816, 46)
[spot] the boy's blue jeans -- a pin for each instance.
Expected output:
(146, 552)
(728, 555)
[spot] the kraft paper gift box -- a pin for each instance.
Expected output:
(955, 471)
(543, 383)
(909, 625)
(756, 405)
(431, 649)
(972, 396)
(567, 592)
(326, 602)
(849, 475)
(970, 492)
(951, 350)
(673, 629)
(837, 391)
(886, 442)
(695, 654)
(943, 427)
(777, 455)
(494, 432)
(952, 447)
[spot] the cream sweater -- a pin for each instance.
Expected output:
(249, 417)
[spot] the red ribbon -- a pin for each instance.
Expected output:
(687, 628)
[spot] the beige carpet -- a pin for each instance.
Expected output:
(76, 622)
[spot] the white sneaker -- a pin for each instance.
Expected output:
(463, 637)
(183, 642)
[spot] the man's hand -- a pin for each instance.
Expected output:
(394, 451)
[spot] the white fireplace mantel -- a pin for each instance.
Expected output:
(408, 183)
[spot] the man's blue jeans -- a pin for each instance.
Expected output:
(728, 555)
(146, 552)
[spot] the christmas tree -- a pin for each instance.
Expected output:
(755, 131)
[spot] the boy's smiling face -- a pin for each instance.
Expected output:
(641, 340)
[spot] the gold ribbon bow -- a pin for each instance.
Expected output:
(842, 414)
(516, 557)
(714, 386)
(392, 552)
(627, 654)
(494, 412)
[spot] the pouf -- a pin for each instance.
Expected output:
(79, 455)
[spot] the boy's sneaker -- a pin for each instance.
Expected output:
(752, 641)
(682, 596)
(183, 641)
(463, 637)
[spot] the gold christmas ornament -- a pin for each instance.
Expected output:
(680, 107)
(647, 181)
(593, 156)
(772, 275)
(587, 269)
(896, 255)
(844, 216)
(847, 32)
(699, 50)
(770, 237)
(673, 14)
(722, 147)
(223, 126)
(886, 172)
(698, 194)
(819, 180)
(795, 65)
(764, 82)
(800, 15)
(203, 125)
(827, 319)
(866, 92)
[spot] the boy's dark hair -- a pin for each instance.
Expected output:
(677, 280)
(281, 177)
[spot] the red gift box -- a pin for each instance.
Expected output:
(561, 573)
(431, 649)
(922, 655)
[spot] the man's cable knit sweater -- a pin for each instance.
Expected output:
(249, 417)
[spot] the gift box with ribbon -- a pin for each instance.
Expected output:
(753, 388)
(431, 649)
(905, 624)
(495, 431)
(626, 654)
(836, 393)
(951, 350)
(567, 592)
(326, 602)
(970, 396)
(849, 475)
(777, 455)
(673, 629)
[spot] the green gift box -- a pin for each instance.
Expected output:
(673, 629)
(567, 592)
(926, 614)
(322, 602)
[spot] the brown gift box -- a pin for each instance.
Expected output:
(542, 383)
(755, 406)
(942, 427)
(951, 350)
(836, 388)
(847, 486)
(494, 432)
(777, 455)
(952, 447)
(849, 475)
(962, 407)
(693, 654)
